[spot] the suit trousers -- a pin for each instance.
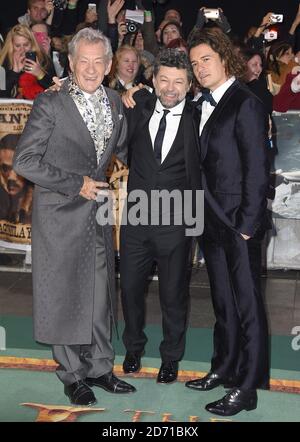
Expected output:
(241, 331)
(168, 246)
(76, 362)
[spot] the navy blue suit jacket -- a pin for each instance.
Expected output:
(234, 159)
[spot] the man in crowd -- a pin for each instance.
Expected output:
(65, 150)
(36, 13)
(233, 131)
(164, 157)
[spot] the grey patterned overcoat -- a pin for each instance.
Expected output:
(55, 152)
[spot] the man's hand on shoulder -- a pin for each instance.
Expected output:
(127, 97)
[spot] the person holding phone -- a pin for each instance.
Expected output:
(90, 19)
(26, 75)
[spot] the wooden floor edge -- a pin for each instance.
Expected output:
(12, 362)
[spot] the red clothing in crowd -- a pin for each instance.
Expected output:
(286, 99)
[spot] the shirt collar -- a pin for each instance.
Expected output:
(86, 95)
(220, 91)
(176, 110)
(125, 85)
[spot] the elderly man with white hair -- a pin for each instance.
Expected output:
(65, 150)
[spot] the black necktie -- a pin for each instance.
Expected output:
(206, 96)
(160, 136)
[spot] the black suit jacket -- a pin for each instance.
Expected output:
(234, 160)
(142, 112)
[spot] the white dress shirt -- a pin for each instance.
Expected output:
(125, 85)
(172, 120)
(207, 108)
(90, 105)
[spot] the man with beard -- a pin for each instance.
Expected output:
(164, 157)
(15, 191)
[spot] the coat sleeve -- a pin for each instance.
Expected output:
(29, 156)
(251, 133)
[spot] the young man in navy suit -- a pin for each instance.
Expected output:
(233, 130)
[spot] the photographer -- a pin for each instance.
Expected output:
(257, 40)
(90, 19)
(220, 21)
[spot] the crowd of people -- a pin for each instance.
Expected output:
(272, 72)
(196, 115)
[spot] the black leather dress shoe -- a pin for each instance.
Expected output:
(168, 372)
(80, 394)
(234, 402)
(111, 383)
(132, 363)
(210, 381)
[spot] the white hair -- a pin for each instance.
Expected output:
(92, 36)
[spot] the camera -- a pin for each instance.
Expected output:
(59, 4)
(270, 35)
(132, 27)
(277, 18)
(30, 55)
(134, 20)
(92, 6)
(212, 14)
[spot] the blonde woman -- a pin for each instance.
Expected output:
(26, 75)
(125, 69)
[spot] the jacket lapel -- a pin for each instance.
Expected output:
(191, 140)
(146, 114)
(213, 118)
(70, 110)
(116, 123)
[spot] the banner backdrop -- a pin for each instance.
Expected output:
(15, 191)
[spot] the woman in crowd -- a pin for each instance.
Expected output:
(280, 63)
(180, 44)
(170, 31)
(255, 77)
(125, 69)
(25, 77)
(288, 97)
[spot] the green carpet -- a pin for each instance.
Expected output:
(159, 402)
(19, 334)
(174, 402)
